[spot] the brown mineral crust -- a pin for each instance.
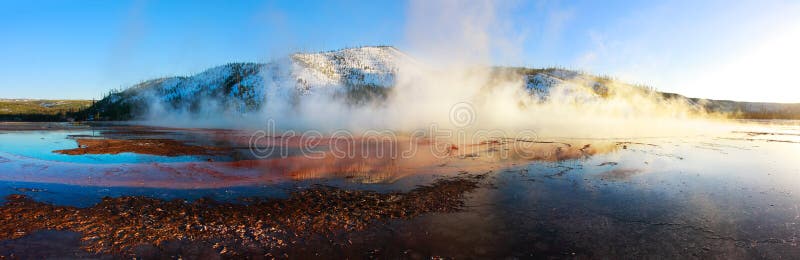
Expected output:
(118, 225)
(163, 147)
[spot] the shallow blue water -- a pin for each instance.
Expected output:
(41, 144)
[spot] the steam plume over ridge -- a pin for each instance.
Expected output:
(383, 88)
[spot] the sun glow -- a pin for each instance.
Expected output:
(765, 72)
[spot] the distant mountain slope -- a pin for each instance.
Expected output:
(541, 83)
(358, 74)
(750, 110)
(40, 110)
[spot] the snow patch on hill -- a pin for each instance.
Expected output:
(565, 85)
(375, 66)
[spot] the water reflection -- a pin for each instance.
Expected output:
(733, 195)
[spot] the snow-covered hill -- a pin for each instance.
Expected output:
(243, 87)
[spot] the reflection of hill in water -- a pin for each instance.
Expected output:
(479, 157)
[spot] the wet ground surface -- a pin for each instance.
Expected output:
(732, 195)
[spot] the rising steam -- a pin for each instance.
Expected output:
(449, 83)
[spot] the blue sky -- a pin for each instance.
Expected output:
(82, 49)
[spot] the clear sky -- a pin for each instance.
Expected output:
(741, 50)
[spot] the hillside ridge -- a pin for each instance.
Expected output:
(358, 74)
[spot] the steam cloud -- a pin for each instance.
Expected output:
(449, 80)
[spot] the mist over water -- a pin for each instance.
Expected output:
(434, 149)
